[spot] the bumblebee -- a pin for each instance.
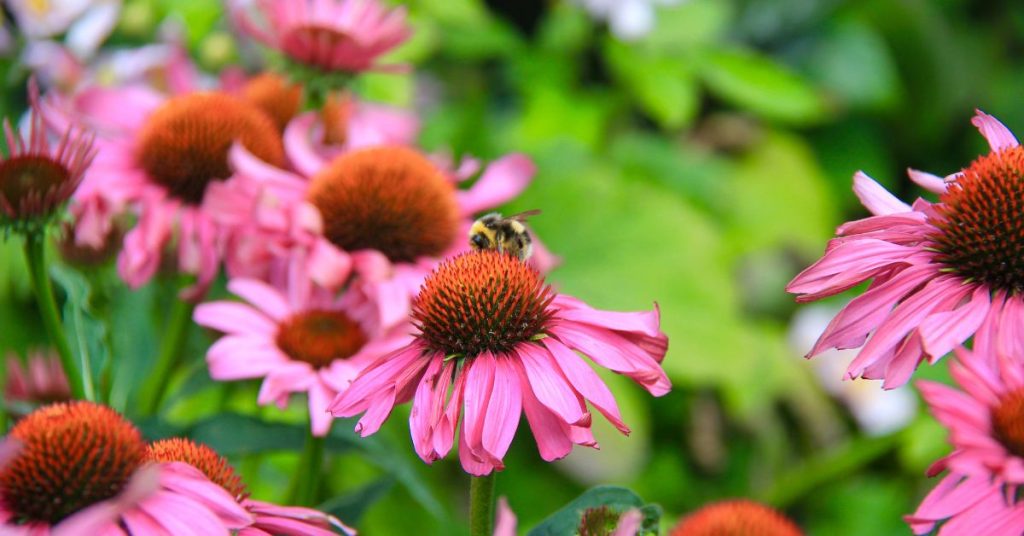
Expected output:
(507, 235)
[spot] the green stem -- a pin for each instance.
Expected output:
(481, 505)
(35, 254)
(152, 391)
(305, 483)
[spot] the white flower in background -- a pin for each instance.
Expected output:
(87, 22)
(628, 19)
(876, 410)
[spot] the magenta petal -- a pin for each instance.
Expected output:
(998, 136)
(549, 385)
(376, 378)
(586, 381)
(426, 411)
(552, 440)
(503, 410)
(943, 331)
(476, 398)
(504, 179)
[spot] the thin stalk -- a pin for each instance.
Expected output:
(481, 505)
(306, 481)
(153, 389)
(35, 254)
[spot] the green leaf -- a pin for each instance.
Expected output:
(351, 506)
(231, 434)
(757, 83)
(565, 521)
(86, 334)
(690, 23)
(662, 85)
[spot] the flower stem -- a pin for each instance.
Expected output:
(481, 505)
(305, 483)
(152, 391)
(35, 254)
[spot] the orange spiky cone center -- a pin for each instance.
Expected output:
(275, 96)
(73, 455)
(318, 337)
(390, 199)
(981, 221)
(481, 301)
(200, 456)
(1008, 422)
(184, 144)
(736, 518)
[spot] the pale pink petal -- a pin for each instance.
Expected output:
(876, 198)
(262, 295)
(502, 181)
(233, 317)
(932, 183)
(505, 525)
(998, 136)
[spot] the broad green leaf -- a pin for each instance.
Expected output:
(351, 506)
(853, 62)
(757, 83)
(86, 334)
(662, 85)
(690, 23)
(565, 521)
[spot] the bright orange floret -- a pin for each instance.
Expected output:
(736, 518)
(184, 144)
(200, 456)
(74, 454)
(481, 301)
(391, 199)
(320, 337)
(1008, 421)
(981, 218)
(275, 96)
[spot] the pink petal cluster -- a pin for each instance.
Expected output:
(271, 520)
(330, 35)
(914, 309)
(250, 349)
(545, 380)
(40, 380)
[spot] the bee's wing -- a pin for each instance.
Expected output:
(521, 217)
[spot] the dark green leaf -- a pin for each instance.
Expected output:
(565, 521)
(351, 506)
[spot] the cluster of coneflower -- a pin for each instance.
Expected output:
(346, 247)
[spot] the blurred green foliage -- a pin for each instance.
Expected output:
(700, 168)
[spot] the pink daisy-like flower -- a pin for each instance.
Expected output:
(40, 381)
(941, 272)
(160, 156)
(305, 342)
(268, 518)
(968, 506)
(35, 179)
(495, 342)
(326, 35)
(384, 214)
(80, 468)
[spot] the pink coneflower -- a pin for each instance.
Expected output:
(35, 179)
(268, 518)
(80, 468)
(495, 341)
(324, 35)
(967, 506)
(737, 517)
(305, 342)
(40, 381)
(160, 156)
(941, 272)
(385, 214)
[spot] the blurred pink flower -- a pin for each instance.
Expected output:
(384, 214)
(35, 178)
(328, 35)
(267, 518)
(84, 23)
(968, 506)
(494, 342)
(941, 272)
(301, 341)
(40, 381)
(159, 156)
(100, 482)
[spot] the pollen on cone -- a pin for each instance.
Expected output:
(184, 144)
(319, 337)
(74, 454)
(481, 301)
(391, 199)
(200, 456)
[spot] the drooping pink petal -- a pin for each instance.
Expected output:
(932, 183)
(549, 385)
(586, 382)
(503, 409)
